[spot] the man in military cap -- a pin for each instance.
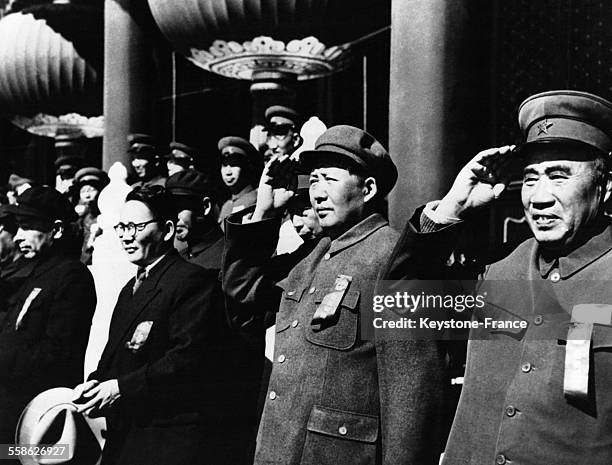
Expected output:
(282, 131)
(45, 329)
(541, 393)
(181, 157)
(146, 160)
(337, 397)
(240, 169)
(197, 225)
(89, 182)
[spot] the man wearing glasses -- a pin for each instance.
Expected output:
(149, 380)
(44, 326)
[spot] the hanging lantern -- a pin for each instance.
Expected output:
(243, 38)
(47, 86)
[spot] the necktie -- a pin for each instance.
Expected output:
(141, 275)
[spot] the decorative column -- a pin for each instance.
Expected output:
(425, 104)
(127, 77)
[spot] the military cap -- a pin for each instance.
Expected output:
(43, 202)
(142, 146)
(359, 147)
(189, 182)
(180, 151)
(282, 115)
(67, 159)
(92, 176)
(233, 145)
(567, 116)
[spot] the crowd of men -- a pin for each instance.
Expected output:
(301, 246)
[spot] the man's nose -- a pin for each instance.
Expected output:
(541, 194)
(18, 236)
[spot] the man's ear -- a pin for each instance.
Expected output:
(170, 230)
(58, 229)
(370, 189)
(607, 187)
(297, 140)
(207, 206)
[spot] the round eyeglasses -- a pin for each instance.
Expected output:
(131, 228)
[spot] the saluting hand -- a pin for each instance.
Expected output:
(480, 182)
(277, 186)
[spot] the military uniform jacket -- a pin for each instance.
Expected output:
(44, 332)
(158, 339)
(333, 397)
(244, 199)
(513, 408)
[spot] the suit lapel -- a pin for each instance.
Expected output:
(130, 307)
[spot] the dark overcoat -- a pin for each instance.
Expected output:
(161, 349)
(334, 397)
(43, 333)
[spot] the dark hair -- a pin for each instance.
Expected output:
(157, 199)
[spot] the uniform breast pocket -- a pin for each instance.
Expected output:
(341, 331)
(289, 313)
(337, 436)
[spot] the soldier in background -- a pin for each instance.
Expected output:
(146, 161)
(282, 131)
(240, 169)
(181, 157)
(89, 182)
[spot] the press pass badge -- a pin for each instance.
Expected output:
(331, 302)
(26, 305)
(578, 347)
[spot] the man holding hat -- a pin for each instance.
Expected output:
(146, 160)
(542, 393)
(157, 379)
(282, 131)
(240, 169)
(336, 397)
(181, 157)
(45, 329)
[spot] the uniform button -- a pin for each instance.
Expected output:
(526, 367)
(290, 292)
(294, 323)
(272, 395)
(555, 277)
(326, 256)
(342, 430)
(311, 290)
(510, 411)
(500, 459)
(281, 358)
(538, 320)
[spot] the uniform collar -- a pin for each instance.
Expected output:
(247, 190)
(358, 232)
(567, 265)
